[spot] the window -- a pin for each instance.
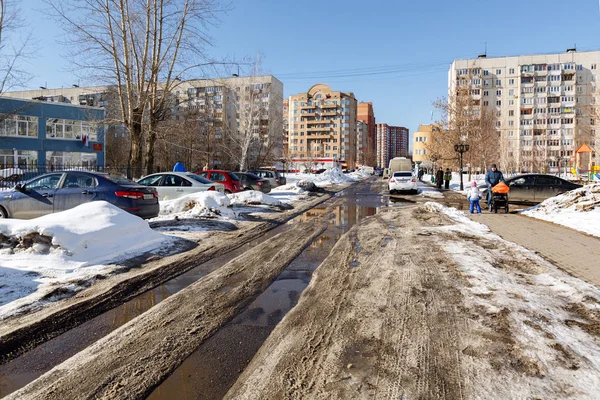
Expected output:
(498, 92)
(485, 103)
(511, 71)
(498, 72)
(486, 72)
(498, 102)
(70, 129)
(486, 93)
(511, 113)
(499, 82)
(18, 125)
(593, 66)
(74, 181)
(486, 82)
(511, 102)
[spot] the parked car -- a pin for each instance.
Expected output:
(274, 177)
(402, 181)
(254, 182)
(229, 180)
(171, 185)
(62, 190)
(535, 188)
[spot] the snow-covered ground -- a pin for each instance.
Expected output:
(537, 300)
(54, 256)
(578, 209)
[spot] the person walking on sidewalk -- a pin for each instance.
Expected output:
(447, 178)
(492, 178)
(473, 195)
(439, 178)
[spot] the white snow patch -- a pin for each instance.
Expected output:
(81, 239)
(577, 209)
(253, 197)
(210, 204)
(331, 176)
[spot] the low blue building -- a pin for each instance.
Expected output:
(38, 134)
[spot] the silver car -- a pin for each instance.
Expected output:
(274, 177)
(171, 185)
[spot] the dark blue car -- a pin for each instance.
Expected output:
(59, 191)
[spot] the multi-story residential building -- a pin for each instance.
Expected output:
(251, 104)
(392, 141)
(420, 141)
(544, 104)
(322, 128)
(286, 126)
(36, 135)
(362, 137)
(366, 114)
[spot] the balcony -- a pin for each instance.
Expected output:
(318, 129)
(326, 113)
(329, 105)
(318, 137)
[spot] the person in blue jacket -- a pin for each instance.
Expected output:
(179, 167)
(492, 178)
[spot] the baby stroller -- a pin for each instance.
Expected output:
(499, 198)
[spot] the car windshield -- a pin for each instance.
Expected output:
(233, 176)
(253, 176)
(198, 178)
(403, 174)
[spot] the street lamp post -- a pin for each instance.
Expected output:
(460, 149)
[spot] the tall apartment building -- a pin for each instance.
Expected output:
(286, 126)
(366, 114)
(362, 136)
(322, 128)
(392, 141)
(542, 104)
(234, 103)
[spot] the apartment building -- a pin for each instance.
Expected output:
(286, 126)
(544, 104)
(230, 104)
(392, 141)
(362, 137)
(366, 114)
(322, 128)
(420, 140)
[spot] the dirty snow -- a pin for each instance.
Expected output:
(195, 205)
(66, 250)
(331, 176)
(578, 209)
(253, 197)
(537, 304)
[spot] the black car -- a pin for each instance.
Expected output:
(535, 188)
(254, 182)
(62, 190)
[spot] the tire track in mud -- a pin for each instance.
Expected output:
(386, 328)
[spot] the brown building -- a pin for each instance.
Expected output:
(366, 114)
(392, 141)
(322, 129)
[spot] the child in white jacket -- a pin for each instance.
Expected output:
(473, 195)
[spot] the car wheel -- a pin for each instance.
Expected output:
(227, 191)
(3, 213)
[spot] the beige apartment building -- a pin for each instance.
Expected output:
(543, 105)
(420, 141)
(322, 128)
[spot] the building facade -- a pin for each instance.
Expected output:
(420, 141)
(37, 134)
(545, 104)
(322, 128)
(229, 105)
(362, 136)
(366, 114)
(392, 141)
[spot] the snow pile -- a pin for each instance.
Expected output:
(210, 204)
(578, 209)
(64, 250)
(253, 197)
(331, 176)
(288, 193)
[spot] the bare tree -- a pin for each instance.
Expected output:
(14, 49)
(143, 47)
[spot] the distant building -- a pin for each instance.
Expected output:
(362, 136)
(286, 126)
(37, 134)
(421, 139)
(366, 114)
(322, 128)
(392, 141)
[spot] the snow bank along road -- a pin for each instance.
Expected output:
(422, 303)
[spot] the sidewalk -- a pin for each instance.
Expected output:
(572, 251)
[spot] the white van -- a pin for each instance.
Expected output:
(400, 164)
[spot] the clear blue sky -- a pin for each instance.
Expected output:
(301, 41)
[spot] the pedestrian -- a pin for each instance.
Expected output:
(439, 178)
(473, 195)
(421, 173)
(492, 178)
(447, 178)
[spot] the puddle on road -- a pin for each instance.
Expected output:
(211, 370)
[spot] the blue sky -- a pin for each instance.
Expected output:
(414, 43)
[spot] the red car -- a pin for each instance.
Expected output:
(230, 180)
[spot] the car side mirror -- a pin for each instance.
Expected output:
(19, 187)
